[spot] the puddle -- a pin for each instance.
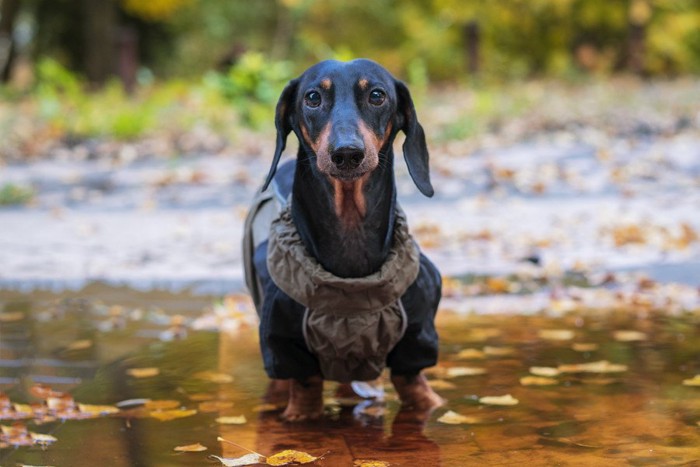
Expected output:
(202, 353)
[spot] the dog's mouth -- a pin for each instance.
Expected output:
(348, 176)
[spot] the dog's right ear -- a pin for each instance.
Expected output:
(283, 122)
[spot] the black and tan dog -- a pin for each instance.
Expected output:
(341, 288)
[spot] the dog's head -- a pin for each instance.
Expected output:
(346, 116)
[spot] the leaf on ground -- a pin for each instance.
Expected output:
(544, 371)
(290, 456)
(537, 381)
(369, 463)
(584, 346)
(98, 410)
(602, 366)
(470, 354)
(143, 372)
(167, 415)
(499, 400)
(492, 351)
(40, 438)
(694, 381)
(556, 334)
(232, 420)
(214, 377)
(82, 344)
(453, 418)
(131, 403)
(197, 447)
(248, 459)
(456, 371)
(629, 336)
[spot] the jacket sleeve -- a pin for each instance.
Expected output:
(284, 350)
(418, 348)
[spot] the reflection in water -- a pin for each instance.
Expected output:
(633, 409)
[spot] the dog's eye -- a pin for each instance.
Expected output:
(377, 97)
(312, 99)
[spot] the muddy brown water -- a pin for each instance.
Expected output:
(85, 343)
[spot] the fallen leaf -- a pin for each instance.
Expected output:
(167, 415)
(556, 334)
(290, 456)
(537, 381)
(464, 371)
(498, 351)
(40, 438)
(131, 403)
(197, 447)
(453, 418)
(369, 463)
(584, 347)
(248, 459)
(499, 400)
(602, 366)
(629, 336)
(470, 354)
(97, 410)
(232, 420)
(81, 344)
(441, 384)
(544, 371)
(694, 381)
(214, 377)
(143, 372)
(266, 408)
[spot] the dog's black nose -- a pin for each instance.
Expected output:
(347, 157)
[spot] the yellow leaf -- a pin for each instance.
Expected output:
(97, 410)
(441, 384)
(629, 336)
(40, 438)
(498, 351)
(80, 345)
(248, 459)
(602, 366)
(453, 418)
(556, 334)
(232, 420)
(289, 456)
(161, 404)
(470, 354)
(584, 347)
(694, 381)
(544, 371)
(369, 463)
(197, 447)
(537, 381)
(143, 372)
(464, 371)
(499, 400)
(166, 415)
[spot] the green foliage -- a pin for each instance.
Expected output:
(12, 194)
(253, 86)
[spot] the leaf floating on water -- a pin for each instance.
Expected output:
(470, 354)
(161, 404)
(167, 415)
(369, 463)
(97, 410)
(453, 418)
(441, 384)
(498, 351)
(584, 346)
(232, 420)
(143, 372)
(464, 371)
(266, 407)
(40, 438)
(197, 447)
(214, 377)
(694, 381)
(629, 336)
(538, 381)
(132, 403)
(290, 456)
(248, 459)
(602, 366)
(556, 334)
(544, 371)
(499, 400)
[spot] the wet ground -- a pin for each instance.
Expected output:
(119, 377)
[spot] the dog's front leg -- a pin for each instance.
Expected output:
(305, 400)
(415, 393)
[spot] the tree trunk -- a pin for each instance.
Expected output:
(100, 20)
(8, 13)
(472, 39)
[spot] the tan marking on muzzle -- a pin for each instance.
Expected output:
(320, 147)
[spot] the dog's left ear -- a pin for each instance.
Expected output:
(283, 122)
(415, 151)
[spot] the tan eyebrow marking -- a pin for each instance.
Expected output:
(363, 83)
(326, 83)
